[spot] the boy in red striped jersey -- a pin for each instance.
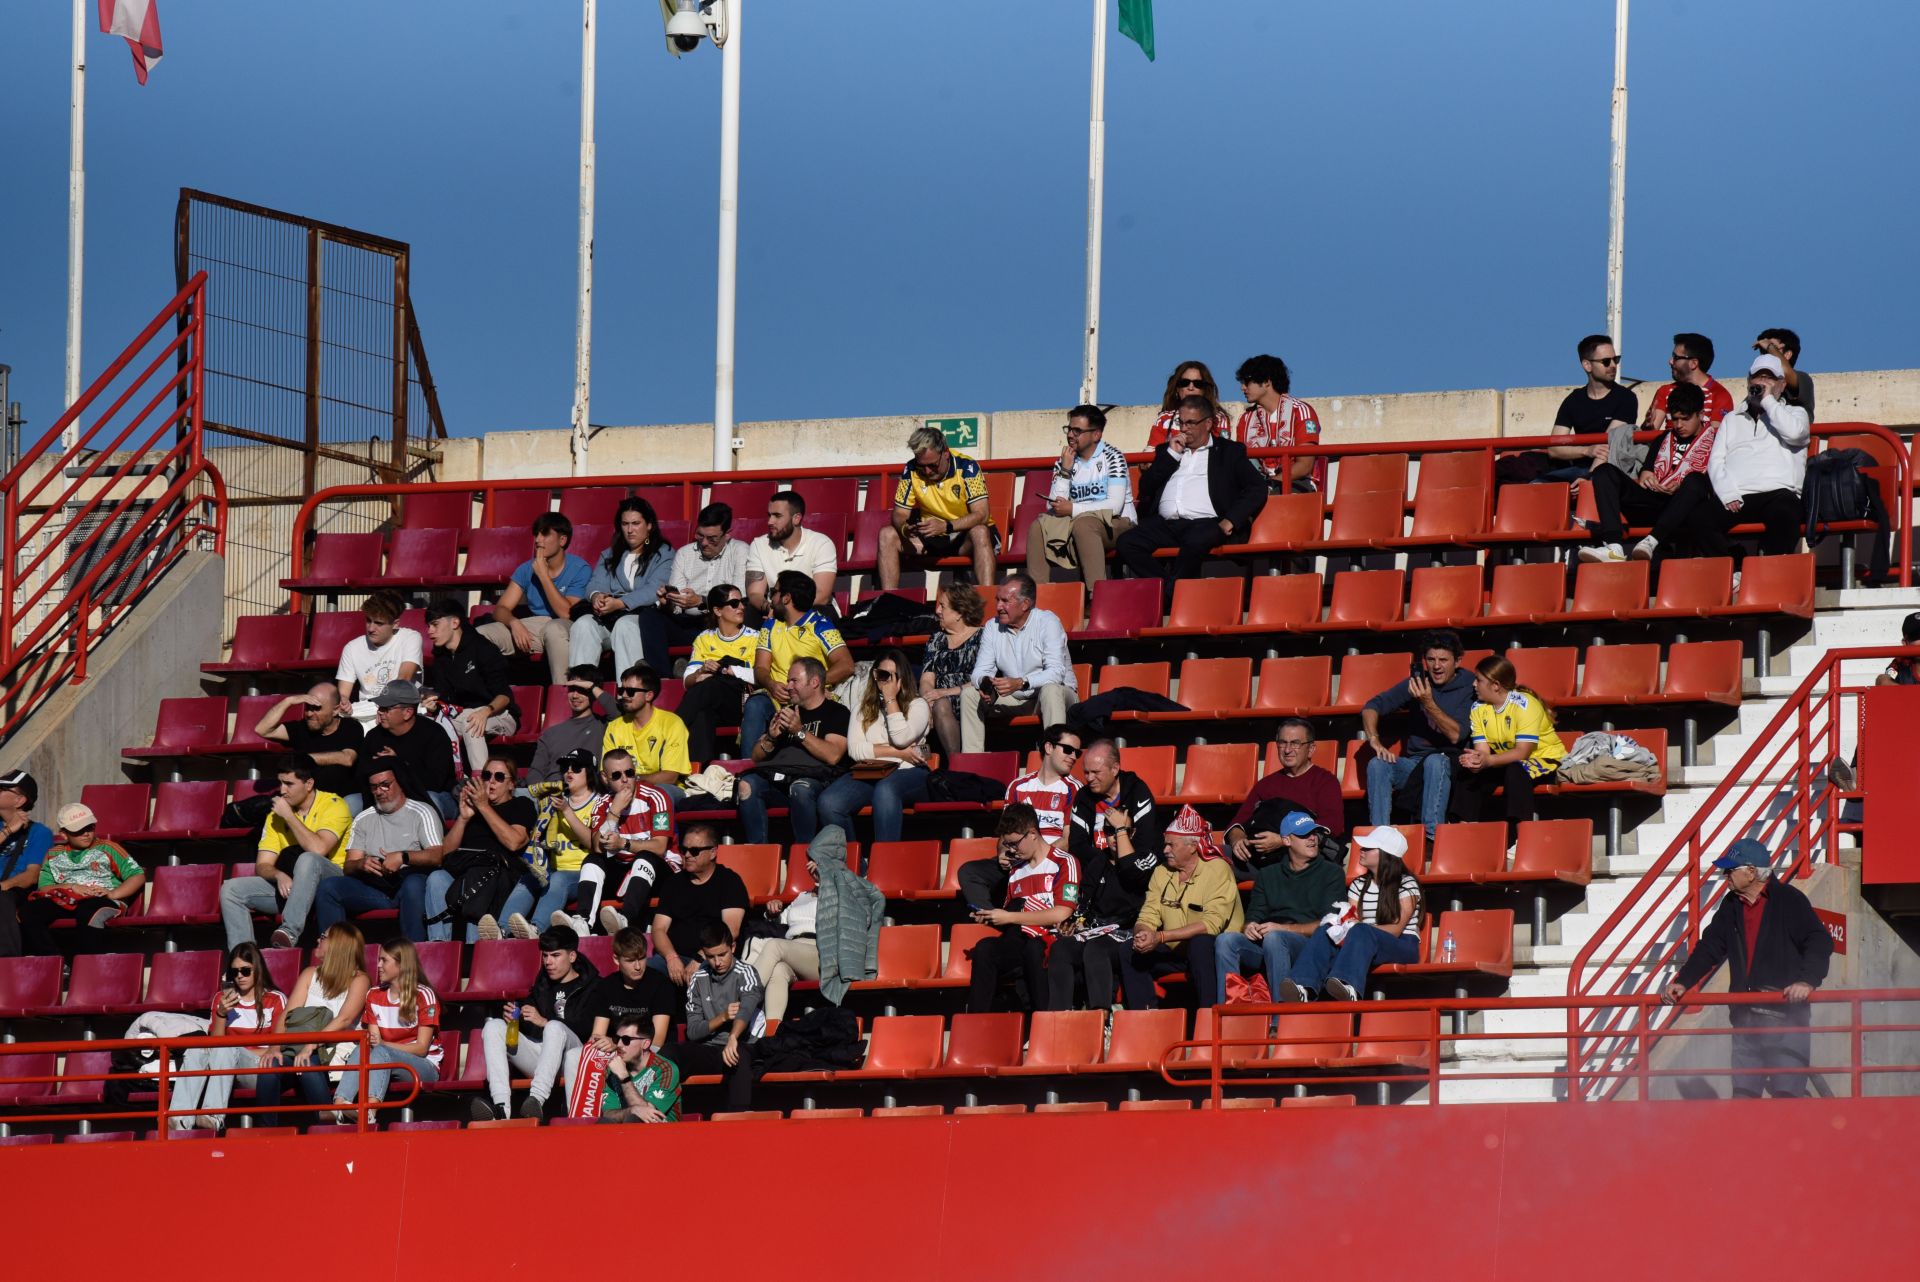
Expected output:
(1043, 890)
(1274, 417)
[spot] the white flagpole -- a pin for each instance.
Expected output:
(1096, 197)
(76, 206)
(583, 318)
(729, 241)
(1617, 184)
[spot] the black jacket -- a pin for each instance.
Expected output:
(470, 677)
(1112, 889)
(544, 996)
(1238, 488)
(1793, 947)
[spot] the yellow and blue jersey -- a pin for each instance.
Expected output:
(946, 499)
(1521, 719)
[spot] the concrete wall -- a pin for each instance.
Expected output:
(154, 654)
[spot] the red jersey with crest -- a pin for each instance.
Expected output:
(1053, 882)
(1052, 802)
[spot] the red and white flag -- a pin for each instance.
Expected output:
(139, 22)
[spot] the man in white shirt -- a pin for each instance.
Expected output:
(1023, 663)
(388, 652)
(1200, 491)
(789, 545)
(711, 557)
(1089, 504)
(1759, 459)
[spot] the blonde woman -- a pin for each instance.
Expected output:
(403, 1014)
(329, 997)
(889, 734)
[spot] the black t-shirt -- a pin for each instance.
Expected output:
(1585, 415)
(338, 780)
(691, 907)
(791, 760)
(425, 754)
(480, 836)
(472, 676)
(612, 996)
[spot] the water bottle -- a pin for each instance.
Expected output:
(1447, 948)
(513, 1030)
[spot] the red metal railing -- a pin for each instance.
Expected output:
(149, 502)
(1769, 794)
(1442, 1059)
(162, 1113)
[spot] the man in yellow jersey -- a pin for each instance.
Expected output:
(304, 841)
(794, 629)
(656, 738)
(939, 510)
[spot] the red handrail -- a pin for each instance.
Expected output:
(144, 495)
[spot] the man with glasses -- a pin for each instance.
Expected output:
(425, 757)
(1441, 698)
(584, 730)
(1200, 491)
(799, 757)
(712, 557)
(466, 690)
(703, 894)
(324, 732)
(1089, 502)
(491, 828)
(1590, 411)
(1692, 358)
(939, 510)
(1022, 665)
(789, 547)
(1254, 835)
(1274, 417)
(724, 1019)
(719, 675)
(23, 845)
(396, 844)
(82, 879)
(1043, 891)
(304, 843)
(1290, 896)
(793, 630)
(656, 738)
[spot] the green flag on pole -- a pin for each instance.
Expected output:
(1136, 24)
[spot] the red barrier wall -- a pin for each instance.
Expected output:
(1682, 1190)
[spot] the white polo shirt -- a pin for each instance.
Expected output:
(814, 554)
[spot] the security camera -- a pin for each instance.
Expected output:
(691, 21)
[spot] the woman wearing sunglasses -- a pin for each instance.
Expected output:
(719, 676)
(245, 1002)
(889, 748)
(570, 812)
(1189, 378)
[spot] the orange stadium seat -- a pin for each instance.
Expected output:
(1700, 586)
(1198, 605)
(1218, 773)
(1370, 473)
(1455, 515)
(1615, 590)
(1526, 592)
(1548, 671)
(1138, 1039)
(1366, 599)
(958, 967)
(1294, 685)
(1444, 596)
(1455, 469)
(1467, 852)
(758, 866)
(1306, 1039)
(1151, 677)
(903, 868)
(1619, 674)
(1704, 671)
(1364, 519)
(1364, 675)
(978, 1044)
(1060, 1042)
(1390, 1039)
(1287, 522)
(1531, 513)
(1067, 600)
(1551, 850)
(1279, 603)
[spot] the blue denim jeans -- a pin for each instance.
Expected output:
(1384, 778)
(343, 897)
(889, 798)
(755, 716)
(801, 797)
(523, 899)
(1366, 946)
(349, 1086)
(1274, 955)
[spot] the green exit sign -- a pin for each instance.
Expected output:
(962, 433)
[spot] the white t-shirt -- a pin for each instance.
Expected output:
(370, 669)
(815, 554)
(1186, 492)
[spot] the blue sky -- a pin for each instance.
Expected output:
(1393, 195)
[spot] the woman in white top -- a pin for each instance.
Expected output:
(336, 985)
(244, 1002)
(779, 960)
(888, 744)
(1378, 924)
(388, 652)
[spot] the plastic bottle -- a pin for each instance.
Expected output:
(513, 1025)
(1448, 949)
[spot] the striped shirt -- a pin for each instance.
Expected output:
(1052, 882)
(1363, 892)
(1097, 484)
(1052, 802)
(264, 1013)
(383, 1015)
(1295, 424)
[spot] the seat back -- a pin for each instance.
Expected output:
(332, 629)
(1124, 605)
(909, 953)
(346, 557)
(1528, 588)
(1482, 938)
(1249, 1028)
(27, 983)
(260, 640)
(1621, 671)
(184, 981)
(1455, 469)
(1370, 473)
(1366, 516)
(1284, 601)
(1616, 587)
(899, 868)
(1066, 600)
(1396, 1034)
(824, 494)
(1151, 677)
(283, 965)
(1154, 765)
(758, 866)
(1705, 670)
(507, 965)
(190, 806)
(1695, 583)
(423, 554)
(1002, 766)
(1531, 511)
(436, 510)
(516, 510)
(1444, 594)
(1220, 770)
(1288, 521)
(1784, 583)
(440, 964)
(983, 1041)
(1307, 1037)
(588, 505)
(1559, 847)
(1547, 670)
(1142, 1036)
(192, 722)
(1416, 857)
(1216, 685)
(117, 807)
(1200, 603)
(111, 979)
(185, 890)
(1294, 684)
(1364, 675)
(494, 554)
(1462, 850)
(1062, 1038)
(750, 498)
(903, 1043)
(1366, 598)
(960, 943)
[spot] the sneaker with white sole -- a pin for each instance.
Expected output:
(1645, 548)
(1292, 992)
(1604, 553)
(520, 928)
(612, 920)
(578, 925)
(488, 928)
(283, 938)
(1340, 990)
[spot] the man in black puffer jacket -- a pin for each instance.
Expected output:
(1114, 832)
(552, 1026)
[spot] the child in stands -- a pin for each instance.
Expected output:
(1379, 924)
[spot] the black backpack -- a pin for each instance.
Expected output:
(1837, 490)
(481, 883)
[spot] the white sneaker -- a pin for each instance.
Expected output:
(520, 928)
(1605, 553)
(1644, 549)
(488, 928)
(578, 925)
(612, 920)
(1736, 585)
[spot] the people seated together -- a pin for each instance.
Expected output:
(789, 547)
(655, 738)
(83, 880)
(1299, 784)
(1378, 924)
(1200, 491)
(887, 746)
(245, 1001)
(465, 689)
(534, 615)
(794, 629)
(24, 843)
(541, 1034)
(1432, 709)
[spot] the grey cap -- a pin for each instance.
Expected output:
(398, 694)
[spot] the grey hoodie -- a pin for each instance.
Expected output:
(709, 994)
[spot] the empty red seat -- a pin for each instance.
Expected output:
(183, 725)
(1138, 1040)
(1200, 604)
(1286, 522)
(1547, 670)
(1155, 766)
(332, 629)
(901, 869)
(183, 981)
(978, 1044)
(1620, 673)
(118, 808)
(183, 895)
(899, 1046)
(1059, 1042)
(1391, 1039)
(758, 866)
(500, 968)
(263, 642)
(1466, 852)
(1210, 686)
(957, 970)
(1527, 592)
(1531, 512)
(341, 561)
(102, 983)
(750, 498)
(1455, 469)
(1306, 1038)
(1364, 675)
(1482, 939)
(516, 509)
(420, 559)
(529, 712)
(1444, 596)
(822, 494)
(1365, 518)
(493, 554)
(1693, 586)
(1033, 504)
(1776, 585)
(1121, 608)
(1293, 685)
(588, 505)
(436, 509)
(866, 537)
(1067, 601)
(1372, 473)
(1278, 603)
(16, 1070)
(1365, 599)
(283, 964)
(1704, 671)
(908, 955)
(1609, 590)
(1219, 772)
(28, 984)
(1551, 850)
(182, 811)
(1448, 515)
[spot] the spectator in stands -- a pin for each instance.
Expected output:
(634, 990)
(23, 846)
(1671, 493)
(424, 757)
(534, 615)
(1692, 358)
(656, 738)
(1049, 792)
(1441, 699)
(492, 826)
(1089, 503)
(1289, 897)
(1022, 665)
(791, 951)
(329, 997)
(1042, 893)
(571, 814)
(1759, 460)
(387, 652)
(946, 669)
(793, 629)
(802, 755)
(626, 597)
(1191, 899)
(245, 1002)
(1590, 411)
(641, 1086)
(82, 879)
(585, 728)
(1766, 928)
(324, 732)
(713, 558)
(396, 844)
(403, 1014)
(788, 546)
(1902, 670)
(632, 844)
(466, 688)
(1115, 836)
(1200, 491)
(1378, 924)
(704, 893)
(1189, 378)
(303, 843)
(939, 510)
(719, 675)
(887, 746)
(552, 1024)
(724, 1018)
(1785, 345)
(1512, 746)
(1254, 836)
(1275, 418)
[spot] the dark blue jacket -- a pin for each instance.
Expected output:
(1455, 699)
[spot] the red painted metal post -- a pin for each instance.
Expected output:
(360, 1101)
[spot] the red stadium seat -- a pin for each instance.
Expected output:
(332, 629)
(436, 510)
(1551, 850)
(1295, 684)
(899, 1046)
(908, 955)
(420, 559)
(1704, 671)
(184, 811)
(1154, 764)
(1390, 1039)
(1461, 469)
(1416, 857)
(28, 984)
(1139, 1038)
(283, 964)
(1306, 1038)
(1619, 673)
(1060, 1042)
(1483, 943)
(1364, 675)
(1278, 603)
(1527, 592)
(243, 741)
(1121, 608)
(183, 895)
(1066, 600)
(494, 554)
(1365, 519)
(1218, 773)
(900, 869)
(1151, 677)
(439, 964)
(961, 851)
(1210, 686)
(1701, 586)
(262, 642)
(1371, 473)
(958, 968)
(1365, 599)
(978, 1044)
(341, 561)
(499, 969)
(1609, 590)
(1233, 1028)
(1448, 515)
(183, 725)
(1466, 852)
(1776, 585)
(1444, 596)
(866, 538)
(823, 494)
(750, 498)
(1033, 504)
(1530, 513)
(1200, 604)
(758, 866)
(516, 510)
(1286, 523)
(590, 542)
(119, 808)
(182, 981)
(588, 505)
(14, 1068)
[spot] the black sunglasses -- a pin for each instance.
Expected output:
(1068, 748)
(240, 970)
(731, 603)
(886, 675)
(630, 1039)
(633, 691)
(1191, 382)
(497, 776)
(690, 851)
(619, 774)
(1604, 360)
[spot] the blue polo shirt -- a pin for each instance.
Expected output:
(24, 849)
(572, 580)
(1455, 699)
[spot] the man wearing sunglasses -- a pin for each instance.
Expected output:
(324, 732)
(1692, 358)
(641, 1086)
(1590, 410)
(584, 729)
(1089, 502)
(704, 893)
(656, 738)
(939, 510)
(23, 845)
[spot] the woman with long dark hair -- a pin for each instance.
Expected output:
(570, 810)
(622, 606)
(889, 733)
(1189, 378)
(1378, 924)
(1513, 746)
(245, 1002)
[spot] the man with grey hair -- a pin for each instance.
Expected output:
(1022, 665)
(1200, 491)
(939, 510)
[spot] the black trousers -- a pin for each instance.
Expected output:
(983, 883)
(10, 901)
(1195, 958)
(37, 917)
(704, 1057)
(996, 957)
(1195, 537)
(706, 707)
(1781, 512)
(1101, 959)
(1473, 792)
(1688, 519)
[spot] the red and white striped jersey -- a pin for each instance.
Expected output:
(1295, 424)
(383, 1013)
(248, 1016)
(1052, 802)
(1053, 882)
(650, 815)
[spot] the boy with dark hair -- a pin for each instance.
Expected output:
(633, 990)
(1274, 417)
(724, 1018)
(534, 616)
(550, 1027)
(641, 1086)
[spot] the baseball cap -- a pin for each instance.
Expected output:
(398, 694)
(1300, 824)
(1744, 853)
(1388, 841)
(75, 817)
(30, 789)
(575, 759)
(1767, 363)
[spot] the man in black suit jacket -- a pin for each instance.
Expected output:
(1177, 512)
